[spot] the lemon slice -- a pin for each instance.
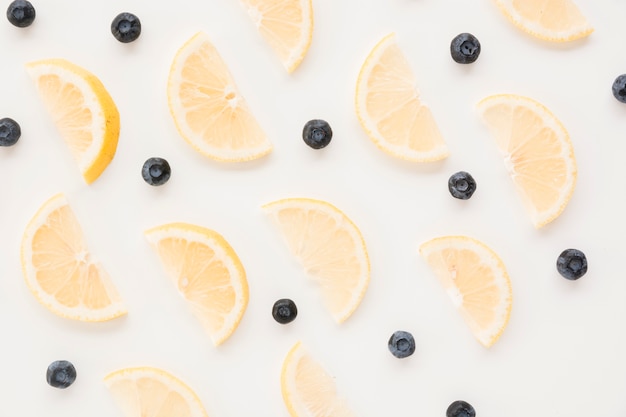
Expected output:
(207, 273)
(209, 112)
(476, 280)
(329, 246)
(59, 269)
(550, 20)
(308, 390)
(152, 392)
(82, 110)
(286, 25)
(537, 152)
(390, 109)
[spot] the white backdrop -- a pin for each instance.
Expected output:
(562, 353)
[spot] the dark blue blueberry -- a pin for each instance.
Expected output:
(572, 264)
(461, 185)
(10, 132)
(317, 133)
(465, 48)
(126, 27)
(460, 409)
(284, 311)
(21, 13)
(401, 344)
(156, 171)
(61, 374)
(619, 88)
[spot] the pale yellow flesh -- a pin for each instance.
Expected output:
(83, 111)
(208, 109)
(307, 389)
(390, 109)
(152, 392)
(286, 25)
(550, 20)
(329, 246)
(206, 272)
(476, 280)
(537, 151)
(59, 269)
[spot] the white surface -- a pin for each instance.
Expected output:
(562, 353)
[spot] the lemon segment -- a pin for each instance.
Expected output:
(82, 110)
(207, 273)
(390, 109)
(537, 151)
(286, 25)
(152, 392)
(307, 389)
(209, 111)
(329, 246)
(549, 20)
(59, 269)
(476, 280)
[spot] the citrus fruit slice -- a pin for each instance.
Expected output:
(209, 112)
(59, 269)
(476, 280)
(550, 20)
(82, 110)
(207, 273)
(390, 109)
(329, 246)
(308, 390)
(152, 392)
(287, 25)
(537, 153)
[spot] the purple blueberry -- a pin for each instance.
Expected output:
(61, 374)
(401, 344)
(156, 171)
(284, 311)
(10, 132)
(461, 185)
(317, 133)
(21, 13)
(465, 48)
(460, 409)
(126, 27)
(572, 264)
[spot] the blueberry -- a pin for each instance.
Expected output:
(21, 13)
(126, 27)
(619, 88)
(461, 185)
(465, 48)
(284, 311)
(156, 171)
(460, 409)
(317, 133)
(401, 344)
(10, 132)
(61, 374)
(572, 264)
